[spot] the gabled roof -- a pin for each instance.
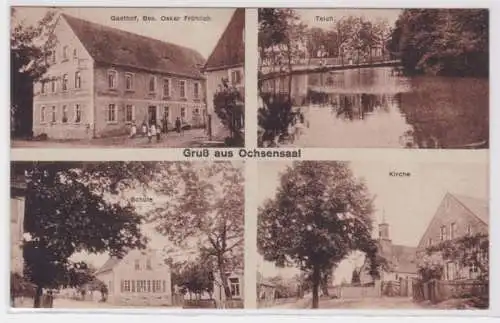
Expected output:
(476, 206)
(122, 48)
(108, 265)
(230, 49)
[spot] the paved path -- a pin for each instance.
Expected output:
(189, 138)
(361, 303)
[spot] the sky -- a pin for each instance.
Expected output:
(199, 35)
(308, 16)
(407, 204)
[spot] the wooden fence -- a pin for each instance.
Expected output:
(437, 291)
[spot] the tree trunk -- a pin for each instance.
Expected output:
(38, 297)
(316, 277)
(223, 278)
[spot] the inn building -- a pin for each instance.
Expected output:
(100, 80)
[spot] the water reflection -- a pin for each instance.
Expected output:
(376, 108)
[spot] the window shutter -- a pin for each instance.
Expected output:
(122, 113)
(122, 285)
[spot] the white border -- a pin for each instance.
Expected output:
(231, 316)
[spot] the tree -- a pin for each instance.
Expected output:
(30, 47)
(320, 213)
(451, 42)
(229, 107)
(67, 211)
(194, 277)
(206, 210)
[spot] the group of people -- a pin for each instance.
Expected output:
(152, 129)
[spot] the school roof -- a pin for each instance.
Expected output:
(108, 265)
(230, 49)
(117, 47)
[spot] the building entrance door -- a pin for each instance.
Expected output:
(152, 115)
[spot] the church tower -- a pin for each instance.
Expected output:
(383, 236)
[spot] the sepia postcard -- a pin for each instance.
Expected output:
(361, 181)
(127, 234)
(373, 235)
(127, 77)
(373, 78)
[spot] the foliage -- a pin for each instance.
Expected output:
(68, 211)
(452, 42)
(320, 213)
(468, 251)
(206, 208)
(194, 277)
(30, 47)
(229, 107)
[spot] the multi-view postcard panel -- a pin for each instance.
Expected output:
(128, 77)
(127, 234)
(362, 233)
(373, 235)
(378, 78)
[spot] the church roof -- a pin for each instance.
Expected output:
(122, 48)
(476, 206)
(230, 49)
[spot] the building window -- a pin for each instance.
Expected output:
(129, 81)
(183, 89)
(65, 82)
(137, 265)
(53, 114)
(53, 54)
(129, 113)
(235, 77)
(166, 87)
(149, 286)
(42, 87)
(148, 264)
(42, 115)
(473, 271)
(157, 286)
(65, 52)
(133, 286)
(64, 114)
(112, 77)
(196, 90)
(443, 233)
(112, 113)
(78, 80)
(152, 83)
(75, 53)
(234, 286)
(453, 231)
(183, 112)
(429, 242)
(78, 114)
(53, 86)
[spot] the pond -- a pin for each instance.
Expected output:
(379, 108)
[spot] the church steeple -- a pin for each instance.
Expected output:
(383, 229)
